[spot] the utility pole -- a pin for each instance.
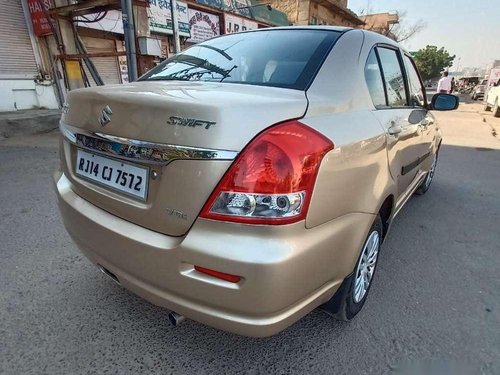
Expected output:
(175, 26)
(129, 36)
(67, 46)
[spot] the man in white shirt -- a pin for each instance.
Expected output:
(444, 84)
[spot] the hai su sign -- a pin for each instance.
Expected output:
(41, 25)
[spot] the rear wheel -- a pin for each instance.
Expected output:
(426, 183)
(486, 107)
(496, 109)
(351, 296)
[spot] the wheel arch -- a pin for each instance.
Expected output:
(386, 212)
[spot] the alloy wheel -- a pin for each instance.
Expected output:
(366, 266)
(430, 174)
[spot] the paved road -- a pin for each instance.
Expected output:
(435, 300)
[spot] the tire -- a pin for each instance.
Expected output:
(426, 183)
(474, 97)
(486, 107)
(496, 109)
(351, 296)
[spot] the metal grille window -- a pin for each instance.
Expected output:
(107, 67)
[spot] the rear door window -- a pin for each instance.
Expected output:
(417, 93)
(393, 77)
(373, 76)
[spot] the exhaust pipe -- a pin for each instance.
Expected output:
(175, 318)
(108, 273)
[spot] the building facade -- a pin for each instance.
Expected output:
(49, 47)
(382, 23)
(317, 12)
(200, 20)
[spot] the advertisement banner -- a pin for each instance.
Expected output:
(41, 25)
(160, 17)
(203, 26)
(235, 24)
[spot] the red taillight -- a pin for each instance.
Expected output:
(272, 179)
(218, 275)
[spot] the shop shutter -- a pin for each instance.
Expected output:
(16, 52)
(107, 67)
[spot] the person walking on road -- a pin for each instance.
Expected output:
(444, 84)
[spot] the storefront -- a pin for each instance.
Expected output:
(105, 38)
(22, 84)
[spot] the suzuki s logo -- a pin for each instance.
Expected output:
(105, 117)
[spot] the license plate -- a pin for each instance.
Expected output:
(118, 175)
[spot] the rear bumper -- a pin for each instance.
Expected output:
(286, 271)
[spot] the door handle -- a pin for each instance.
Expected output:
(394, 130)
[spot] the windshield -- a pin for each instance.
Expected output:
(281, 58)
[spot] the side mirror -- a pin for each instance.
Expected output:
(444, 102)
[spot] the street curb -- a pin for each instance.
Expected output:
(31, 122)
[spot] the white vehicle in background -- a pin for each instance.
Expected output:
(479, 90)
(493, 100)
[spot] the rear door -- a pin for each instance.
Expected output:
(420, 114)
(384, 71)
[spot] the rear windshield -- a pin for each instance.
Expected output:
(280, 58)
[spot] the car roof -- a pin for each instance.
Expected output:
(369, 36)
(309, 27)
(374, 37)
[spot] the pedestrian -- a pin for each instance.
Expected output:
(444, 84)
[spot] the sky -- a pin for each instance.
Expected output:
(469, 29)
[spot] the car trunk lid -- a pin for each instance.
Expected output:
(202, 125)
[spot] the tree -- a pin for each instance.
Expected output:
(392, 25)
(431, 61)
(402, 31)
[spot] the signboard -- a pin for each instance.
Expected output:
(112, 22)
(41, 25)
(242, 7)
(235, 24)
(203, 25)
(160, 17)
(122, 62)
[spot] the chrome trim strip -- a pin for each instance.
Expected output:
(132, 149)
